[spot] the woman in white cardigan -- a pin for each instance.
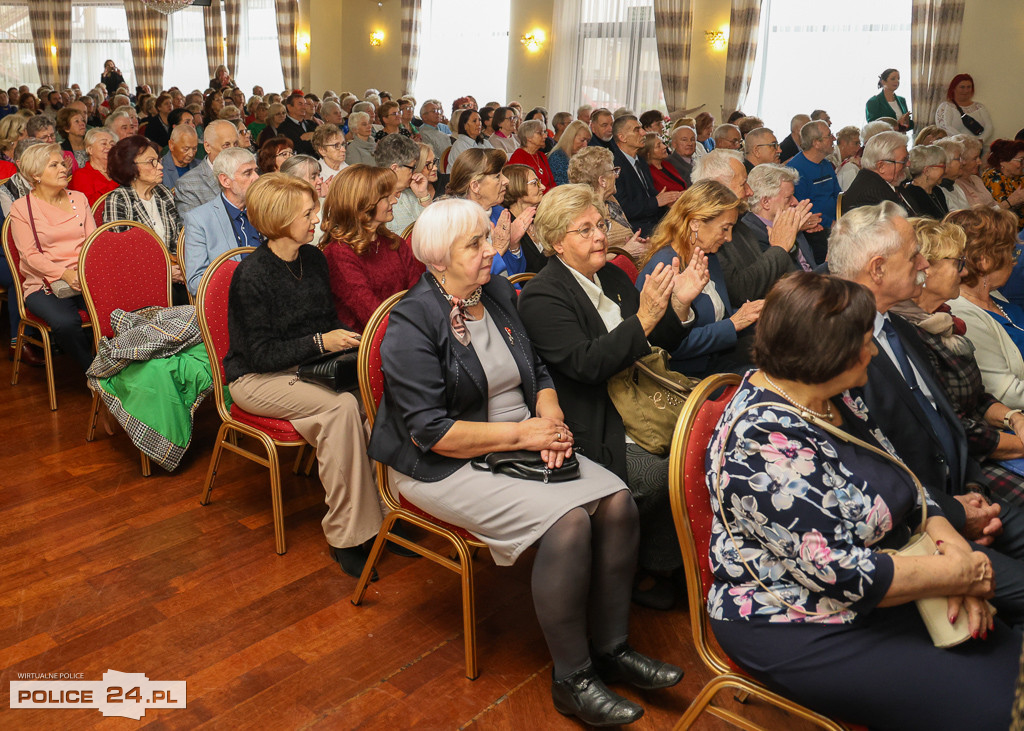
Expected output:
(994, 325)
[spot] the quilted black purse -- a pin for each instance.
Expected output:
(526, 465)
(337, 371)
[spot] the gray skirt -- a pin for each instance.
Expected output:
(505, 513)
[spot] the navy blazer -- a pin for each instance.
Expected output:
(868, 189)
(760, 229)
(640, 204)
(569, 334)
(708, 336)
(294, 132)
(431, 380)
(893, 407)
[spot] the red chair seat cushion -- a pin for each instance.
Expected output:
(280, 429)
(461, 532)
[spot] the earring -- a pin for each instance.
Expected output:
(444, 278)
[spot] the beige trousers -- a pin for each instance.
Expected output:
(333, 424)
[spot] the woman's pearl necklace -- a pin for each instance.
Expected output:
(828, 415)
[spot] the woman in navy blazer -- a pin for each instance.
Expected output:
(461, 380)
(703, 218)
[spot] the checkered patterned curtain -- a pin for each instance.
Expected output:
(147, 33)
(411, 13)
(287, 19)
(934, 53)
(214, 36)
(673, 21)
(50, 21)
(744, 28)
(233, 16)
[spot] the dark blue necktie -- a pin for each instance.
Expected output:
(938, 424)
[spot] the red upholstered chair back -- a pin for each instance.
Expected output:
(371, 377)
(98, 207)
(126, 271)
(14, 261)
(626, 264)
(691, 501)
(212, 310)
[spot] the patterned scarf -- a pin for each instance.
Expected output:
(943, 323)
(458, 314)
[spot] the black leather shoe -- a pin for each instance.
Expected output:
(583, 695)
(626, 665)
(352, 561)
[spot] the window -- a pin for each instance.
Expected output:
(617, 56)
(17, 57)
(463, 35)
(259, 58)
(99, 30)
(185, 59)
(815, 55)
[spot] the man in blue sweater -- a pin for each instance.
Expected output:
(818, 182)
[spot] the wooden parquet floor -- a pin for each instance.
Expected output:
(102, 569)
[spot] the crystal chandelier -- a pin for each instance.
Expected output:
(167, 6)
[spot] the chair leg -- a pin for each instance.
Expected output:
(275, 494)
(147, 468)
(310, 461)
(468, 609)
(91, 432)
(48, 355)
(298, 459)
(371, 560)
(211, 473)
(698, 706)
(19, 343)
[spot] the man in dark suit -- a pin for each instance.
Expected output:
(601, 129)
(776, 216)
(882, 168)
(875, 246)
(296, 127)
(642, 203)
(790, 146)
(759, 147)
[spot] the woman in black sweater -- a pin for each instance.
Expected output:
(280, 314)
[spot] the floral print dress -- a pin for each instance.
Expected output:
(807, 513)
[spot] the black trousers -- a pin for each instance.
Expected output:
(63, 318)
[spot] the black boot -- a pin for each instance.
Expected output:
(626, 665)
(583, 695)
(352, 560)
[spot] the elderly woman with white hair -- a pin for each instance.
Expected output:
(883, 166)
(306, 168)
(969, 182)
(573, 139)
(922, 195)
(531, 153)
(360, 148)
(954, 149)
(92, 179)
(458, 320)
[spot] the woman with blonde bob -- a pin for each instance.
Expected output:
(703, 218)
(574, 138)
(280, 314)
(367, 262)
(461, 380)
(951, 355)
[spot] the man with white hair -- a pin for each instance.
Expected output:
(818, 182)
(584, 112)
(759, 147)
(199, 185)
(119, 123)
(684, 147)
(876, 247)
(790, 147)
(775, 216)
(221, 224)
(430, 131)
(601, 122)
(883, 166)
(727, 137)
(181, 154)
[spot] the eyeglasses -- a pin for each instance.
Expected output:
(961, 261)
(408, 167)
(285, 153)
(152, 162)
(901, 163)
(614, 172)
(393, 114)
(535, 182)
(587, 232)
(335, 146)
(773, 145)
(430, 165)
(1017, 159)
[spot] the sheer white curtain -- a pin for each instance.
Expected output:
(816, 55)
(99, 30)
(463, 50)
(606, 55)
(259, 57)
(185, 61)
(17, 57)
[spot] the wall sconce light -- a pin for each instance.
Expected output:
(376, 38)
(534, 40)
(302, 42)
(717, 39)
(53, 50)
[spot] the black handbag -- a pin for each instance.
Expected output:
(973, 126)
(526, 465)
(337, 371)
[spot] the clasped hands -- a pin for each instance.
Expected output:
(974, 569)
(549, 436)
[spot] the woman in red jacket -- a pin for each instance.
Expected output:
(665, 176)
(532, 136)
(367, 262)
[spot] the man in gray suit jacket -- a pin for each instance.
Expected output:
(684, 144)
(198, 186)
(181, 155)
(220, 224)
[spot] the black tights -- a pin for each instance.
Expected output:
(586, 563)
